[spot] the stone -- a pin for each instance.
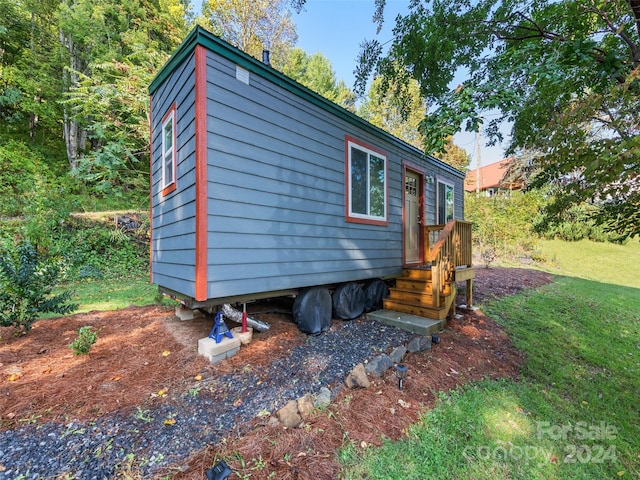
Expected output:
(216, 352)
(379, 365)
(398, 353)
(289, 416)
(419, 344)
(305, 405)
(323, 399)
(358, 378)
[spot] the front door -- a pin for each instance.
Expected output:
(411, 220)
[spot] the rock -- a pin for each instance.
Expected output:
(379, 365)
(419, 344)
(289, 416)
(358, 378)
(305, 405)
(323, 399)
(398, 353)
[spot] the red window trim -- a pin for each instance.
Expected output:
(347, 184)
(173, 185)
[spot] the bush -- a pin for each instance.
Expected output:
(502, 225)
(27, 280)
(84, 341)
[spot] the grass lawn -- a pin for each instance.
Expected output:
(113, 294)
(574, 411)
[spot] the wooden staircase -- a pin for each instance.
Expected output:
(424, 295)
(414, 294)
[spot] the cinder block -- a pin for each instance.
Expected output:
(215, 352)
(184, 313)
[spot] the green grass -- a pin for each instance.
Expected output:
(603, 262)
(113, 293)
(573, 414)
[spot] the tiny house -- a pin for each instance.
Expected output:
(261, 187)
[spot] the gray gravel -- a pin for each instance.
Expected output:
(97, 449)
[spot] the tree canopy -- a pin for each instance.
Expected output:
(563, 73)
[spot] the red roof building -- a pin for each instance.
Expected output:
(491, 179)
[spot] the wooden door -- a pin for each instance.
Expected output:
(411, 218)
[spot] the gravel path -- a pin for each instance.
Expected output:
(95, 450)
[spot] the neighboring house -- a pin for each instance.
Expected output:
(492, 179)
(261, 187)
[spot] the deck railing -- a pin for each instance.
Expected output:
(451, 250)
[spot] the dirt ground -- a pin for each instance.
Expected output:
(143, 350)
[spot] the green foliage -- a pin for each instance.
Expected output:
(84, 341)
(564, 74)
(316, 73)
(503, 225)
(576, 223)
(20, 173)
(27, 280)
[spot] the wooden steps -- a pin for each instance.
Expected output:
(413, 295)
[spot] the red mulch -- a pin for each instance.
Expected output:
(142, 350)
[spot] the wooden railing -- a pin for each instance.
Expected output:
(452, 250)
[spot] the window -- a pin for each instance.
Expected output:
(445, 202)
(169, 151)
(366, 184)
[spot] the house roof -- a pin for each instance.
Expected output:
(491, 176)
(200, 36)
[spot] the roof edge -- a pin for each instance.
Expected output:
(200, 36)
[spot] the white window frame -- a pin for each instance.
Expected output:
(370, 152)
(168, 154)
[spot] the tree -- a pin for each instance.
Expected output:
(315, 72)
(397, 108)
(253, 26)
(454, 155)
(113, 49)
(564, 73)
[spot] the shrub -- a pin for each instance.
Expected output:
(27, 280)
(84, 341)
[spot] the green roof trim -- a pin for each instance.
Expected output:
(200, 36)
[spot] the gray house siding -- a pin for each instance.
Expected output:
(173, 216)
(275, 179)
(277, 193)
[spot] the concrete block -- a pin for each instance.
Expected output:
(184, 313)
(216, 352)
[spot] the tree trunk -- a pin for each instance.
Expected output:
(74, 136)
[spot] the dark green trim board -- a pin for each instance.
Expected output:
(200, 36)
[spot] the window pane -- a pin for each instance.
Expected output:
(376, 186)
(358, 181)
(449, 202)
(168, 135)
(168, 168)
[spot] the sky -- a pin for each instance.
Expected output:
(336, 28)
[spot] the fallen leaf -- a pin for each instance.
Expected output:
(166, 353)
(198, 377)
(621, 473)
(163, 392)
(363, 444)
(237, 403)
(14, 376)
(116, 378)
(170, 421)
